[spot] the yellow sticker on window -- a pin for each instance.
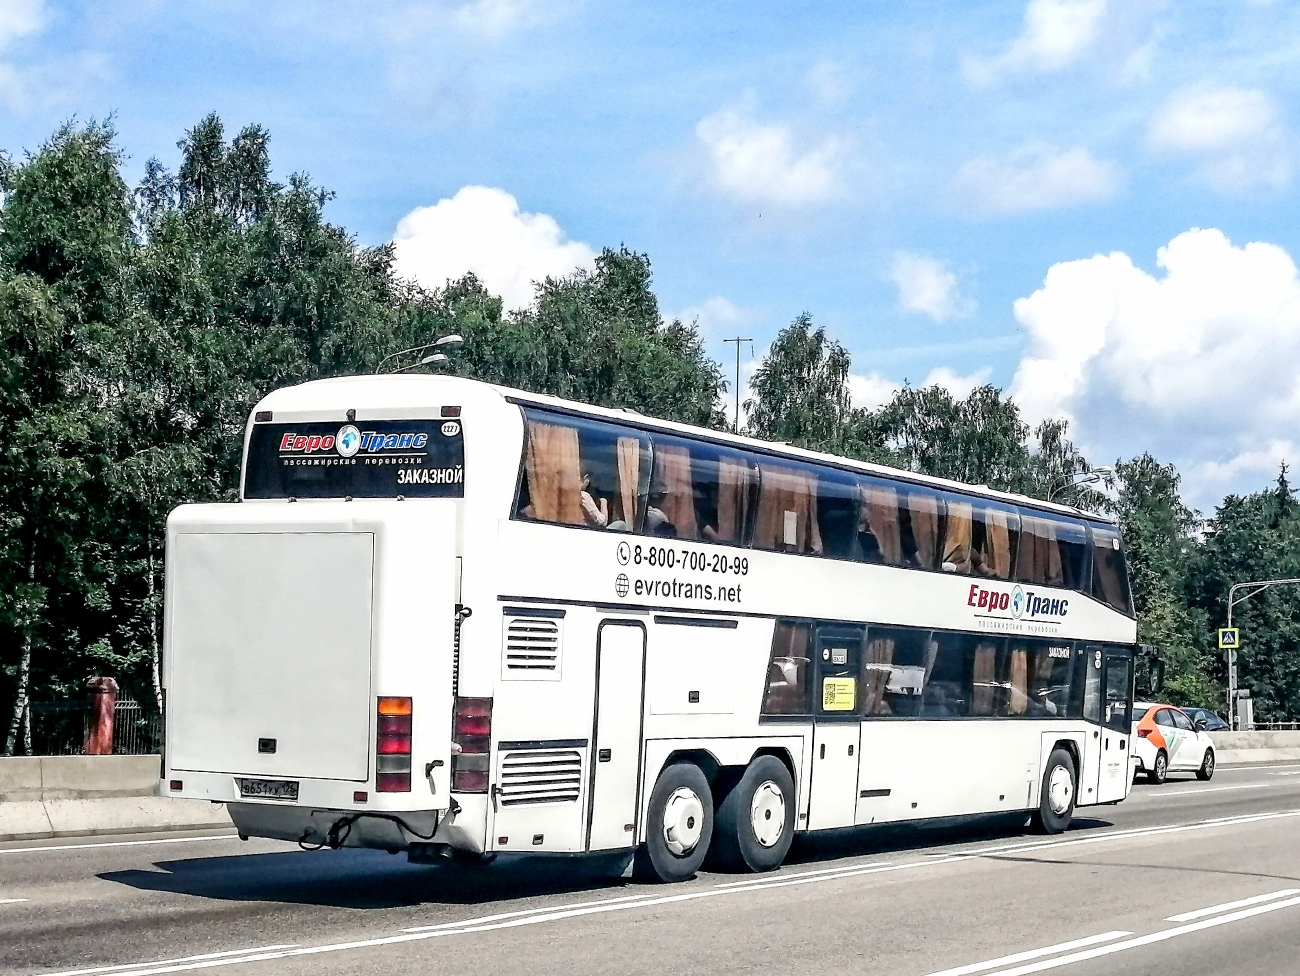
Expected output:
(838, 694)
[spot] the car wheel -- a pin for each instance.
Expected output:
(1056, 798)
(1206, 772)
(755, 823)
(1160, 770)
(679, 827)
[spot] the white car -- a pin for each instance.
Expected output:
(1166, 740)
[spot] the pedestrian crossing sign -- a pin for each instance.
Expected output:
(1228, 638)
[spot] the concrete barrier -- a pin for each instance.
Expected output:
(1256, 747)
(67, 796)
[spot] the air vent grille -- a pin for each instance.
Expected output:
(532, 647)
(540, 776)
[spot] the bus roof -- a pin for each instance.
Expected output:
(408, 389)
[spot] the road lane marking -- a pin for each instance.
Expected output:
(1198, 791)
(118, 843)
(1029, 954)
(11, 901)
(1143, 940)
(601, 906)
(166, 962)
(1229, 906)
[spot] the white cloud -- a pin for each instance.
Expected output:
(1036, 176)
(1199, 365)
(713, 315)
(1056, 34)
(1237, 134)
(926, 285)
(18, 18)
(481, 229)
(764, 162)
(873, 391)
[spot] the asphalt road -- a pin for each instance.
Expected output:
(1186, 878)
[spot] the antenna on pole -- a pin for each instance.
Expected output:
(738, 340)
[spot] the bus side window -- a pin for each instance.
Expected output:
(895, 668)
(699, 492)
(1040, 678)
(980, 539)
(786, 520)
(1109, 571)
(1092, 685)
(583, 472)
(1052, 551)
(788, 670)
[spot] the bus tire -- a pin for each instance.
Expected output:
(1058, 793)
(679, 825)
(755, 823)
(1159, 770)
(1206, 772)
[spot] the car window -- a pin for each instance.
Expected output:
(1182, 721)
(1165, 717)
(1139, 713)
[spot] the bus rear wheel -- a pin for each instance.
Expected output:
(679, 827)
(1057, 796)
(755, 823)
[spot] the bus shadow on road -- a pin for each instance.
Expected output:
(368, 879)
(359, 879)
(830, 845)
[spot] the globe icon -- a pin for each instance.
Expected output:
(348, 441)
(620, 584)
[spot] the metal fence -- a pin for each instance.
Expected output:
(59, 729)
(1288, 726)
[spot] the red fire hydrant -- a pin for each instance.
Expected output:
(100, 703)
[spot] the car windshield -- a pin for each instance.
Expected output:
(1139, 714)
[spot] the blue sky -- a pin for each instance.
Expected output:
(958, 191)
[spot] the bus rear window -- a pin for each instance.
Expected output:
(364, 459)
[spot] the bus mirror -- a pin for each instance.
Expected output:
(1157, 676)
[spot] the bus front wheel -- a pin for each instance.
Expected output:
(679, 828)
(755, 823)
(1056, 798)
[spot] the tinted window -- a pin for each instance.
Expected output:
(1140, 713)
(699, 492)
(583, 472)
(1119, 692)
(786, 519)
(839, 499)
(363, 459)
(1166, 718)
(788, 669)
(1109, 571)
(896, 666)
(1182, 721)
(1039, 677)
(980, 538)
(1053, 551)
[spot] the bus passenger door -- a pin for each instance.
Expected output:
(1090, 774)
(616, 745)
(833, 787)
(1117, 726)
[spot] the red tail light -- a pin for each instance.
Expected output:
(472, 734)
(1143, 733)
(393, 746)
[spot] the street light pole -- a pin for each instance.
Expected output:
(738, 340)
(1251, 588)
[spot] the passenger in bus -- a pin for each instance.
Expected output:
(656, 522)
(593, 513)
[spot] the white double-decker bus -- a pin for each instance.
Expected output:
(449, 617)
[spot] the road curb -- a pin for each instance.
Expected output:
(46, 819)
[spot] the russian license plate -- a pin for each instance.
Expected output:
(269, 789)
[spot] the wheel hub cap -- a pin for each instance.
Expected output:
(1060, 789)
(767, 814)
(683, 821)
